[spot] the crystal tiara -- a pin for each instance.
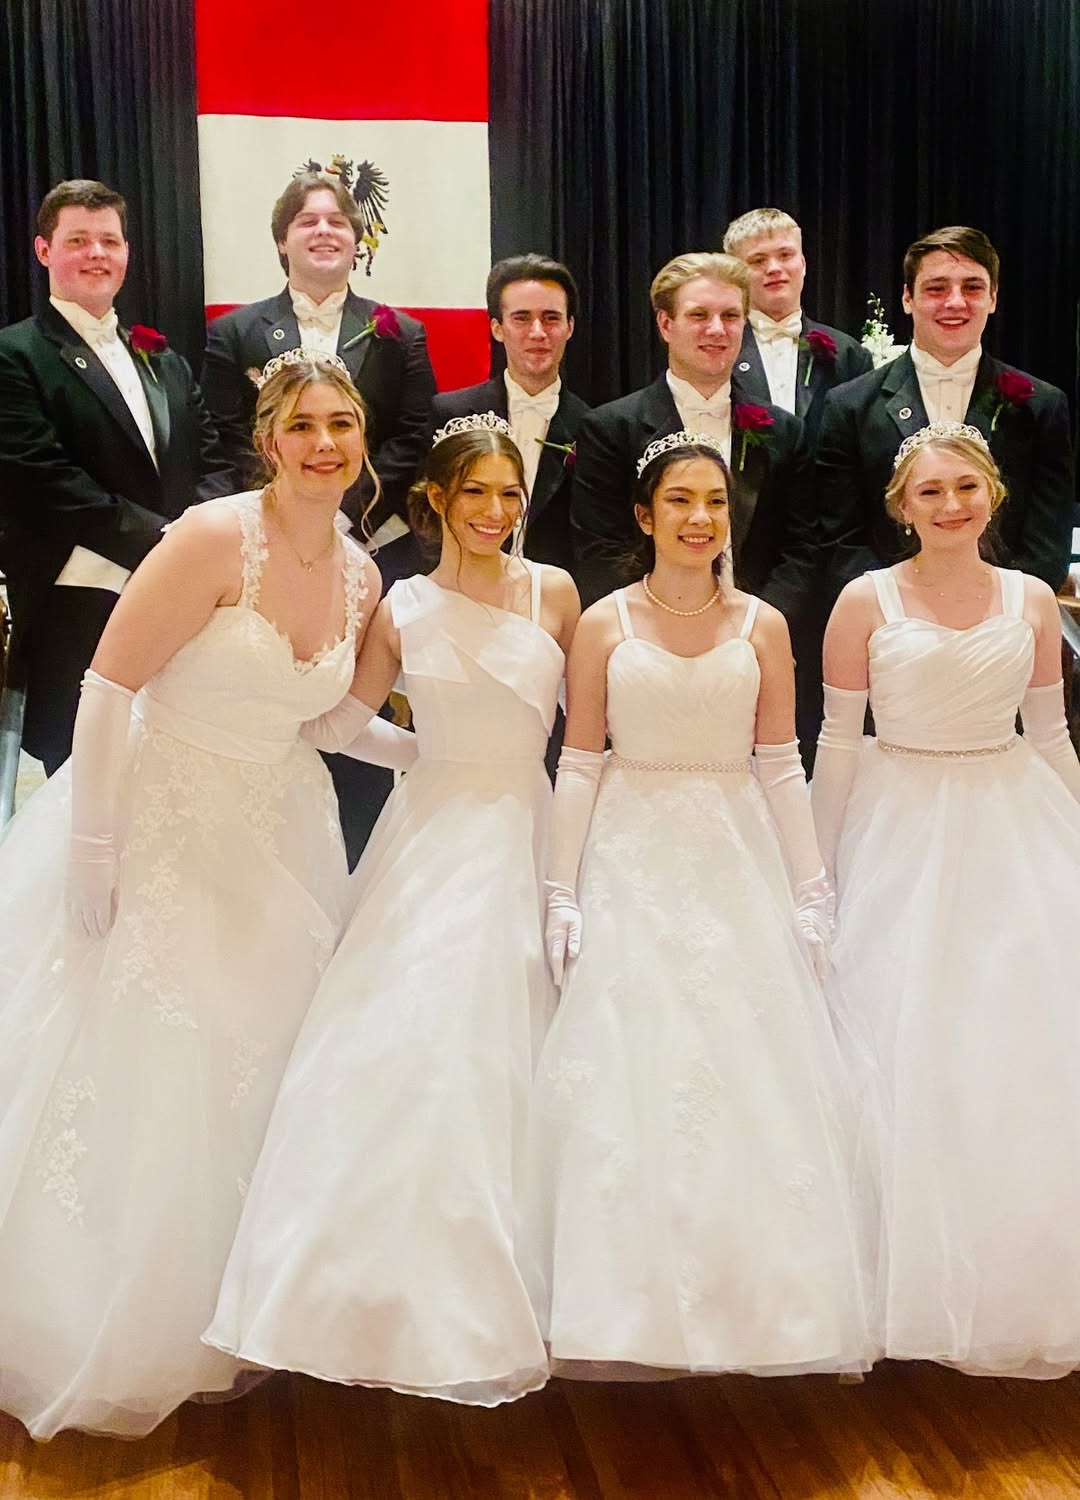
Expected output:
(480, 421)
(677, 440)
(297, 357)
(939, 430)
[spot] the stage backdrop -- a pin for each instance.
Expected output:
(400, 92)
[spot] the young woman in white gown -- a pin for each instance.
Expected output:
(689, 1198)
(377, 1240)
(143, 1030)
(957, 853)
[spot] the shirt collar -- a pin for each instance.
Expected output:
(689, 396)
(546, 400)
(774, 328)
(84, 323)
(960, 369)
(307, 309)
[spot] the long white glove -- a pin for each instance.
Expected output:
(98, 757)
(576, 786)
(352, 728)
(1043, 713)
(783, 780)
(834, 768)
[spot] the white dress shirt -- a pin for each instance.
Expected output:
(529, 418)
(778, 345)
(102, 336)
(319, 322)
(946, 389)
(708, 414)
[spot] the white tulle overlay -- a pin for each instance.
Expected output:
(377, 1242)
(959, 883)
(689, 1152)
(137, 1071)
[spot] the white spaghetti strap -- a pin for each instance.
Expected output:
(1012, 592)
(624, 614)
(749, 618)
(888, 595)
(536, 574)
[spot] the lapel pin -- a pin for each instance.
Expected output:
(279, 333)
(744, 366)
(904, 413)
(80, 362)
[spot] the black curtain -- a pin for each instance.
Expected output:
(625, 131)
(105, 89)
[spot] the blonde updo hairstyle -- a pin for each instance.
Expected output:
(278, 397)
(962, 447)
(448, 467)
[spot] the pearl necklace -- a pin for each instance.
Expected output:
(986, 579)
(684, 613)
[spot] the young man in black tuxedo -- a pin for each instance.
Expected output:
(786, 358)
(532, 303)
(104, 438)
(700, 301)
(950, 290)
(317, 227)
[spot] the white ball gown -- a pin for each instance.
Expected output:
(689, 1203)
(959, 885)
(137, 1071)
(377, 1241)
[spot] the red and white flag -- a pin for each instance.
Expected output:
(400, 87)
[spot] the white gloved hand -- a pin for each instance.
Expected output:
(576, 786)
(98, 756)
(835, 765)
(352, 728)
(1043, 713)
(780, 772)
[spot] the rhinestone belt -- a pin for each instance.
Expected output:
(979, 754)
(698, 766)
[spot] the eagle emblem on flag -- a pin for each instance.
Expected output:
(369, 188)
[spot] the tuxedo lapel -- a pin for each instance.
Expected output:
(980, 412)
(806, 389)
(903, 399)
(84, 364)
(354, 345)
(748, 469)
(156, 400)
(657, 413)
(552, 466)
(281, 331)
(750, 372)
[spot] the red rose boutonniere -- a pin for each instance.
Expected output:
(1012, 389)
(145, 341)
(750, 422)
(822, 348)
(383, 324)
(568, 451)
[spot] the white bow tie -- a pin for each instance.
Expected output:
(769, 329)
(546, 404)
(100, 330)
(324, 315)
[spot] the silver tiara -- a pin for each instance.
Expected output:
(677, 440)
(478, 422)
(297, 357)
(939, 430)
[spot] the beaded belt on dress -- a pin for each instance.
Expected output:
(699, 766)
(979, 753)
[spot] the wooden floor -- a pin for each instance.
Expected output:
(909, 1430)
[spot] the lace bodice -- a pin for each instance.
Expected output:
(663, 708)
(482, 682)
(934, 688)
(235, 688)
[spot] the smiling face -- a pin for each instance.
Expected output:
(319, 243)
(949, 303)
(87, 257)
(317, 445)
(484, 507)
(946, 499)
(704, 333)
(688, 515)
(777, 271)
(534, 328)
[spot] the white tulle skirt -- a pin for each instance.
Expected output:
(689, 1206)
(955, 994)
(377, 1242)
(137, 1072)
